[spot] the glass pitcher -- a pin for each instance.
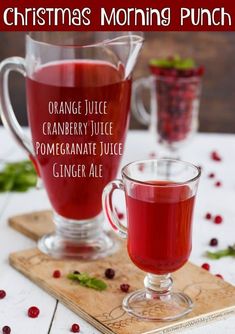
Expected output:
(78, 87)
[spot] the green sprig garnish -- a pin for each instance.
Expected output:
(175, 62)
(229, 251)
(17, 176)
(88, 281)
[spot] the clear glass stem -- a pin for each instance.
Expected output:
(172, 152)
(157, 301)
(158, 286)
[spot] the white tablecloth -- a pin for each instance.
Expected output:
(54, 317)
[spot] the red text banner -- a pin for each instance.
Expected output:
(146, 15)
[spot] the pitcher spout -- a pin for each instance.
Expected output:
(126, 47)
(120, 49)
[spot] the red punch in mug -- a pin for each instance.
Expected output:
(160, 196)
(78, 96)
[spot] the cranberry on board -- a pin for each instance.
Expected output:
(56, 274)
(206, 266)
(109, 273)
(219, 276)
(124, 287)
(76, 272)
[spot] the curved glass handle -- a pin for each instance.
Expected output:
(137, 105)
(110, 212)
(8, 117)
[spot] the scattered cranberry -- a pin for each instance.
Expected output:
(206, 266)
(33, 312)
(219, 276)
(214, 242)
(56, 274)
(76, 272)
(6, 330)
(120, 214)
(218, 219)
(152, 155)
(141, 167)
(218, 184)
(125, 287)
(215, 156)
(211, 175)
(2, 294)
(208, 216)
(75, 328)
(109, 273)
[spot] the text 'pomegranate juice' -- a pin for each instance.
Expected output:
(78, 114)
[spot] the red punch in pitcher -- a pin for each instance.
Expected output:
(78, 97)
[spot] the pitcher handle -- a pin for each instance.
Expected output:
(139, 110)
(7, 113)
(109, 210)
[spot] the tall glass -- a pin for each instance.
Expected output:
(160, 197)
(174, 105)
(78, 95)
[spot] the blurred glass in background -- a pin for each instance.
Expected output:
(215, 50)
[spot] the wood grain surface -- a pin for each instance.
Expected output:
(33, 225)
(213, 297)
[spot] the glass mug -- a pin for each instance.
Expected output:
(78, 88)
(160, 197)
(174, 105)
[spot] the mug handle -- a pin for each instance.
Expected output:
(139, 110)
(7, 113)
(110, 212)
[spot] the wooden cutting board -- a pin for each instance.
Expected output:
(213, 297)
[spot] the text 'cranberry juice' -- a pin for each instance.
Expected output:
(78, 113)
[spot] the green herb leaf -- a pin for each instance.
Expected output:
(88, 281)
(175, 62)
(184, 64)
(164, 63)
(17, 176)
(229, 251)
